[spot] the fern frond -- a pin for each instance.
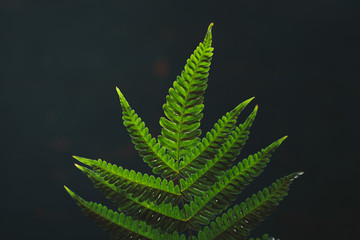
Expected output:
(199, 178)
(228, 187)
(264, 237)
(232, 147)
(118, 225)
(212, 142)
(185, 102)
(163, 216)
(199, 182)
(139, 185)
(153, 154)
(241, 219)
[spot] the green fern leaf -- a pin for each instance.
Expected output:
(184, 103)
(153, 154)
(119, 225)
(199, 178)
(241, 219)
(214, 139)
(230, 186)
(199, 182)
(139, 185)
(164, 216)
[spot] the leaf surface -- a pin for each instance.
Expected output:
(184, 103)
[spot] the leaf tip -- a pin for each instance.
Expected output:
(253, 113)
(208, 35)
(84, 160)
(279, 141)
(81, 168)
(69, 191)
(283, 138)
(119, 92)
(241, 106)
(249, 100)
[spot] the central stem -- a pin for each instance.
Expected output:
(183, 205)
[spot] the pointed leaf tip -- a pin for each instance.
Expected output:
(279, 141)
(283, 139)
(242, 105)
(119, 92)
(69, 191)
(248, 100)
(84, 160)
(254, 112)
(208, 33)
(272, 147)
(82, 168)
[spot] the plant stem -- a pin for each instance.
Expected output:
(183, 205)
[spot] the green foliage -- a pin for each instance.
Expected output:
(199, 178)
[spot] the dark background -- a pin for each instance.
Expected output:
(60, 63)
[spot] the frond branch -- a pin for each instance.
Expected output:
(139, 185)
(241, 219)
(153, 154)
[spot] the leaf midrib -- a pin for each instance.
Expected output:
(205, 148)
(136, 181)
(149, 145)
(268, 198)
(185, 104)
(218, 190)
(218, 157)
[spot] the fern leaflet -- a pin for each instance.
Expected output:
(152, 152)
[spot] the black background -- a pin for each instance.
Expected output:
(60, 63)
